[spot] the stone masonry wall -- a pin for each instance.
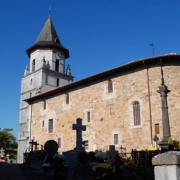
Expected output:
(110, 112)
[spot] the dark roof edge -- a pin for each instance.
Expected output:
(47, 45)
(106, 74)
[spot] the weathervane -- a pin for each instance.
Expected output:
(50, 7)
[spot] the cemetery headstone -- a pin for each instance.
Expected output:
(51, 147)
(71, 157)
(79, 128)
(33, 143)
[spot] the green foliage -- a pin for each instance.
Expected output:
(173, 144)
(170, 141)
(8, 143)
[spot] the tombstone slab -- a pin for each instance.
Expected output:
(51, 147)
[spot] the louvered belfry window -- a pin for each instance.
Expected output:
(33, 65)
(136, 113)
(57, 65)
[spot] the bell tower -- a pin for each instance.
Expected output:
(46, 71)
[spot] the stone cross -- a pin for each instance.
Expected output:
(163, 91)
(79, 128)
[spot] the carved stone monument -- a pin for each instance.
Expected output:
(163, 91)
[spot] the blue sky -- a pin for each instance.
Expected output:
(100, 35)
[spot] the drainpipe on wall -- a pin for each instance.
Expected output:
(30, 120)
(149, 102)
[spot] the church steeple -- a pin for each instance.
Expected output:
(48, 38)
(48, 33)
(46, 71)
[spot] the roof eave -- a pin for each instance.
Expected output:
(135, 64)
(48, 46)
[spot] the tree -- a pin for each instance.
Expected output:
(8, 143)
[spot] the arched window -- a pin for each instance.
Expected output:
(110, 86)
(136, 113)
(57, 65)
(33, 65)
(50, 126)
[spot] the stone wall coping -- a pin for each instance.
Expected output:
(167, 158)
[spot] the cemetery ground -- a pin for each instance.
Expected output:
(89, 167)
(19, 172)
(77, 164)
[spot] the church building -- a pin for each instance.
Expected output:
(135, 105)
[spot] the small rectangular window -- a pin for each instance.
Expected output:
(157, 128)
(115, 139)
(50, 126)
(59, 142)
(67, 98)
(110, 86)
(88, 116)
(44, 104)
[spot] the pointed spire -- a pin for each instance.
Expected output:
(68, 70)
(48, 38)
(48, 33)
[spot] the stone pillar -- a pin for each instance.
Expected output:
(163, 90)
(167, 166)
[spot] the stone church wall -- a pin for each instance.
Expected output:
(110, 113)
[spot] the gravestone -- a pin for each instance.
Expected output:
(50, 150)
(111, 153)
(79, 128)
(33, 143)
(71, 157)
(51, 147)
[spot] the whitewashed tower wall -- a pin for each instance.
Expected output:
(45, 72)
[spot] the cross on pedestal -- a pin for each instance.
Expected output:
(33, 143)
(79, 128)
